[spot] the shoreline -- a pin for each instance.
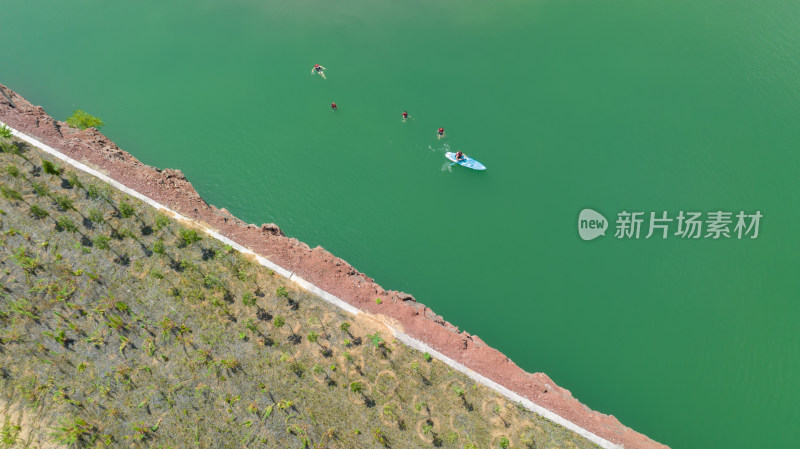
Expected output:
(316, 267)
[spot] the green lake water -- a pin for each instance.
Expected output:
(664, 105)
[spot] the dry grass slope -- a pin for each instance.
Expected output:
(121, 327)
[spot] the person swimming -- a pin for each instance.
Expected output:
(441, 133)
(334, 107)
(405, 115)
(318, 69)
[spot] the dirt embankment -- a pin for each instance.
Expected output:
(316, 265)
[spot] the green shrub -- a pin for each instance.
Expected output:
(126, 209)
(313, 337)
(9, 147)
(5, 131)
(96, 216)
(40, 188)
(162, 221)
(345, 327)
(66, 224)
(189, 236)
(10, 194)
(81, 120)
(376, 339)
(158, 247)
(281, 291)
(278, 321)
(64, 202)
(12, 170)
(71, 431)
(297, 368)
(101, 241)
(38, 213)
(50, 168)
(356, 387)
(427, 357)
(9, 434)
(504, 443)
(248, 299)
(93, 192)
(73, 180)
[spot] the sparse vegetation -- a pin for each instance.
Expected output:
(139, 339)
(126, 209)
(81, 120)
(50, 168)
(38, 213)
(189, 237)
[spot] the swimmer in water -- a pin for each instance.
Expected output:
(405, 115)
(334, 107)
(318, 69)
(440, 133)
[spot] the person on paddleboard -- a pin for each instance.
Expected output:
(460, 156)
(441, 132)
(318, 69)
(405, 115)
(334, 107)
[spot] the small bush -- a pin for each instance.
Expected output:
(189, 236)
(158, 247)
(81, 120)
(126, 209)
(5, 131)
(40, 188)
(278, 321)
(427, 357)
(66, 224)
(297, 368)
(12, 170)
(73, 180)
(72, 431)
(101, 242)
(50, 168)
(356, 387)
(345, 327)
(10, 194)
(9, 434)
(64, 202)
(9, 147)
(313, 337)
(281, 291)
(96, 216)
(93, 192)
(376, 339)
(248, 299)
(162, 221)
(37, 212)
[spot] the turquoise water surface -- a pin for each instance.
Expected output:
(665, 105)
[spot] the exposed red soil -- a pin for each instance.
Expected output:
(171, 188)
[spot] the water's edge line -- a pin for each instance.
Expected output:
(308, 286)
